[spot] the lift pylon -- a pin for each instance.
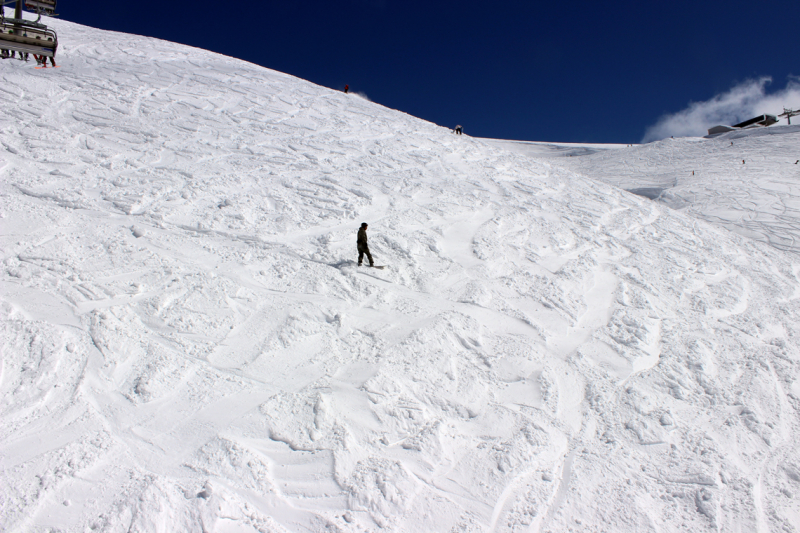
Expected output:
(789, 113)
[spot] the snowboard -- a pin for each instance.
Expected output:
(37, 68)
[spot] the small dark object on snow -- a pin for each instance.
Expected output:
(361, 245)
(346, 88)
(743, 161)
(458, 130)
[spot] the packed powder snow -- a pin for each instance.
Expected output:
(747, 181)
(188, 344)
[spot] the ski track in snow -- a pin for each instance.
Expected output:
(188, 344)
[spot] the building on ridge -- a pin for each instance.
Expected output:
(755, 122)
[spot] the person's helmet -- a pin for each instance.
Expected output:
(363, 224)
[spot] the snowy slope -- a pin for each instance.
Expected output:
(746, 181)
(552, 150)
(188, 345)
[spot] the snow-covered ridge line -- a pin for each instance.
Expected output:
(739, 180)
(187, 343)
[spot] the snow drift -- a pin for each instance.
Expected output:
(188, 345)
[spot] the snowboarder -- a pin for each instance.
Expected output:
(361, 244)
(346, 88)
(458, 130)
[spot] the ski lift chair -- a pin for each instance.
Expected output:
(45, 7)
(27, 37)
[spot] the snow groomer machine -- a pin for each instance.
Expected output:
(20, 38)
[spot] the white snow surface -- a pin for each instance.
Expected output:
(747, 181)
(188, 344)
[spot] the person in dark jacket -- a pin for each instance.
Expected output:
(361, 244)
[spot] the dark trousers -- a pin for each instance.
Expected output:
(364, 250)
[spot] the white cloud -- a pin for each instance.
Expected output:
(743, 101)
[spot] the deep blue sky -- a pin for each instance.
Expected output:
(545, 71)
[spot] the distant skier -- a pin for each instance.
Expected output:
(458, 130)
(361, 244)
(346, 88)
